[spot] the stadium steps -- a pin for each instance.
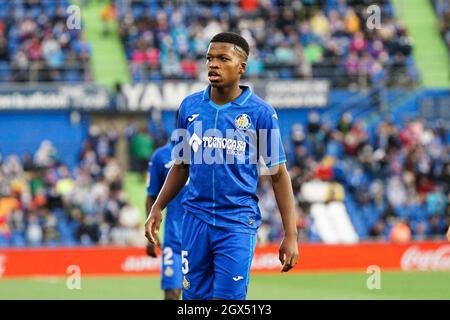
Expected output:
(357, 219)
(109, 64)
(357, 104)
(429, 51)
(395, 100)
(333, 223)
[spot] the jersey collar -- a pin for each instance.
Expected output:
(244, 96)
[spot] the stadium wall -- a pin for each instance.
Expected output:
(23, 131)
(61, 114)
(94, 261)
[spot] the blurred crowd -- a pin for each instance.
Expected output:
(36, 44)
(442, 8)
(43, 202)
(169, 39)
(390, 177)
(288, 39)
(393, 179)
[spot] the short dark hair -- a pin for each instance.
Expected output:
(234, 38)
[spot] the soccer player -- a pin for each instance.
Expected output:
(171, 275)
(222, 215)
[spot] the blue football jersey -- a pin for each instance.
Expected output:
(158, 168)
(223, 145)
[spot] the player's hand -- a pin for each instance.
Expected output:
(288, 253)
(152, 225)
(151, 249)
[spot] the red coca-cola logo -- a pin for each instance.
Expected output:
(416, 258)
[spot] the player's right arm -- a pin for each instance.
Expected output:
(154, 184)
(448, 234)
(151, 248)
(175, 181)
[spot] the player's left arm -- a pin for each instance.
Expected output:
(448, 234)
(271, 149)
(282, 187)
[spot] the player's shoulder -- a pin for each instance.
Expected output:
(160, 153)
(192, 98)
(188, 102)
(263, 107)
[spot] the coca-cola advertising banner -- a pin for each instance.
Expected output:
(416, 256)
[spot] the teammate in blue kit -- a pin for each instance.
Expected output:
(171, 275)
(222, 133)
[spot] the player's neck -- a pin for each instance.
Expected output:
(222, 96)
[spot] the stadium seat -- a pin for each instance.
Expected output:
(3, 241)
(17, 239)
(15, 40)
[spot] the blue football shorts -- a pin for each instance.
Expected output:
(215, 262)
(171, 275)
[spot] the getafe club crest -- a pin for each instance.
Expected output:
(243, 122)
(186, 283)
(168, 272)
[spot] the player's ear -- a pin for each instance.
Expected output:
(242, 67)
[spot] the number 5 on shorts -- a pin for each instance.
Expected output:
(184, 262)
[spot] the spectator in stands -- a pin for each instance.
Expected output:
(34, 232)
(108, 14)
(46, 155)
(4, 52)
(129, 229)
(390, 178)
(400, 233)
(141, 149)
(46, 203)
(41, 48)
(442, 8)
(324, 40)
(378, 230)
(394, 159)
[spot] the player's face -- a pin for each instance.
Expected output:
(225, 64)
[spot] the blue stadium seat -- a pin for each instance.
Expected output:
(52, 243)
(5, 71)
(17, 239)
(69, 242)
(138, 11)
(313, 236)
(50, 11)
(3, 10)
(85, 241)
(286, 74)
(36, 11)
(72, 76)
(60, 214)
(3, 241)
